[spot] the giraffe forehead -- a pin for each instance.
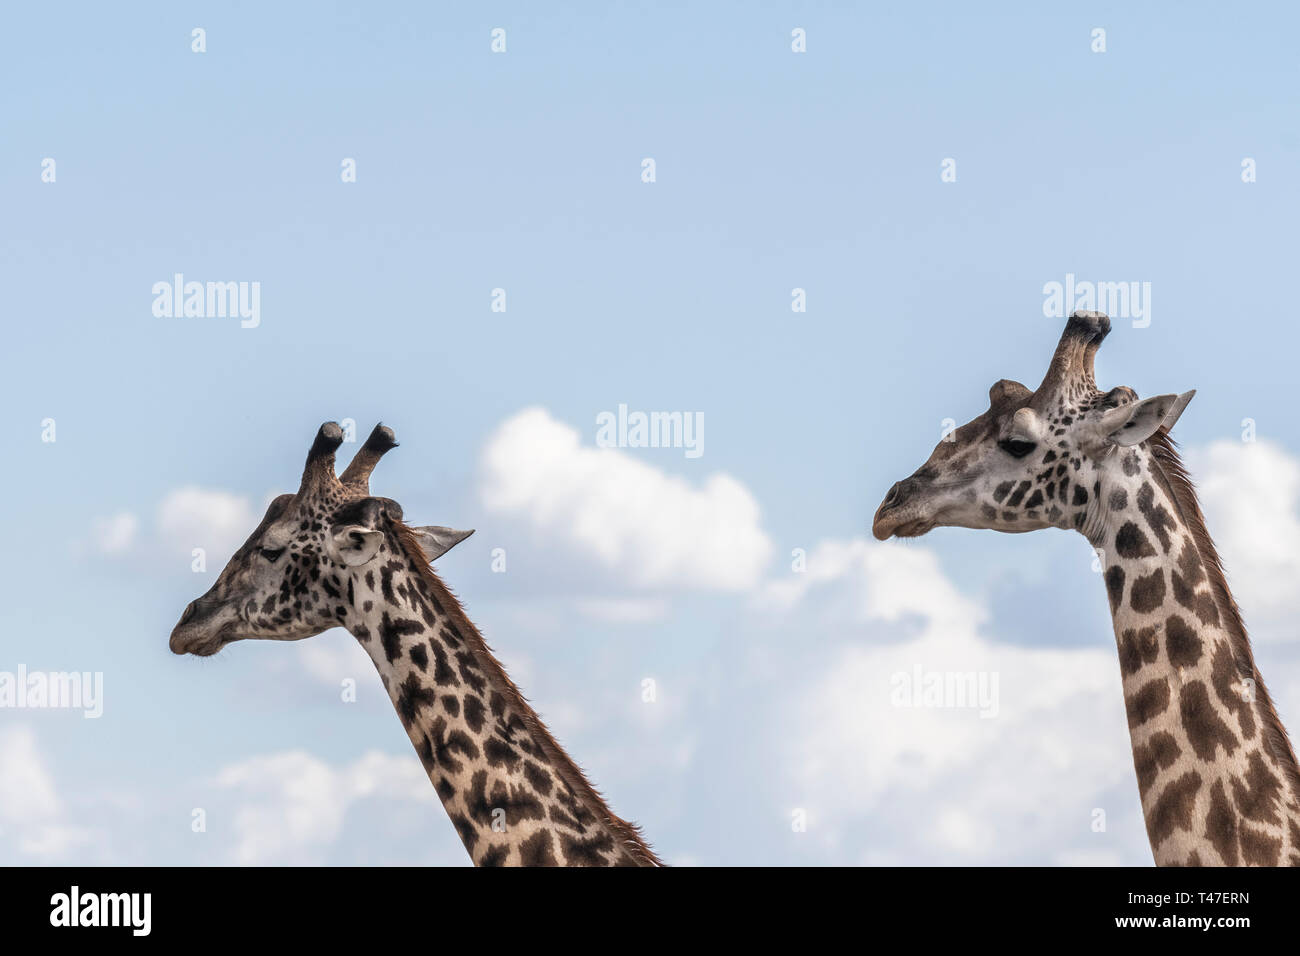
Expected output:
(1013, 406)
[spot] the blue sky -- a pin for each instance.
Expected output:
(522, 171)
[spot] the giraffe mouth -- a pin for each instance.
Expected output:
(209, 648)
(913, 529)
(201, 645)
(893, 521)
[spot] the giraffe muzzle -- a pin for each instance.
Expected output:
(180, 641)
(899, 515)
(195, 634)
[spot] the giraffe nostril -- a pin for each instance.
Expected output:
(892, 495)
(188, 612)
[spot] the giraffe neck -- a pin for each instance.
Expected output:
(1216, 773)
(512, 793)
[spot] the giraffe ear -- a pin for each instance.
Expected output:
(1180, 403)
(436, 540)
(356, 544)
(1134, 423)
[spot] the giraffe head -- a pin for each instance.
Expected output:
(294, 576)
(1035, 459)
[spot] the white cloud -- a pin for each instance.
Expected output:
(622, 610)
(333, 656)
(27, 791)
(918, 784)
(193, 517)
(32, 818)
(653, 529)
(1250, 493)
(292, 805)
(115, 534)
(282, 808)
(187, 518)
(890, 582)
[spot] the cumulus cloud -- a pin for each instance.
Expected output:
(292, 805)
(1250, 493)
(1046, 775)
(650, 528)
(288, 807)
(115, 534)
(334, 656)
(907, 778)
(26, 788)
(187, 518)
(888, 582)
(622, 610)
(193, 517)
(32, 816)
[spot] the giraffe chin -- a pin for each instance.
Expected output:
(913, 529)
(207, 650)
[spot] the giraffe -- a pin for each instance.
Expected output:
(1216, 773)
(332, 555)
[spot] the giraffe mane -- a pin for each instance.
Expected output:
(573, 775)
(1178, 483)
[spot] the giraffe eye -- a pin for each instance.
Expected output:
(1016, 448)
(271, 554)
